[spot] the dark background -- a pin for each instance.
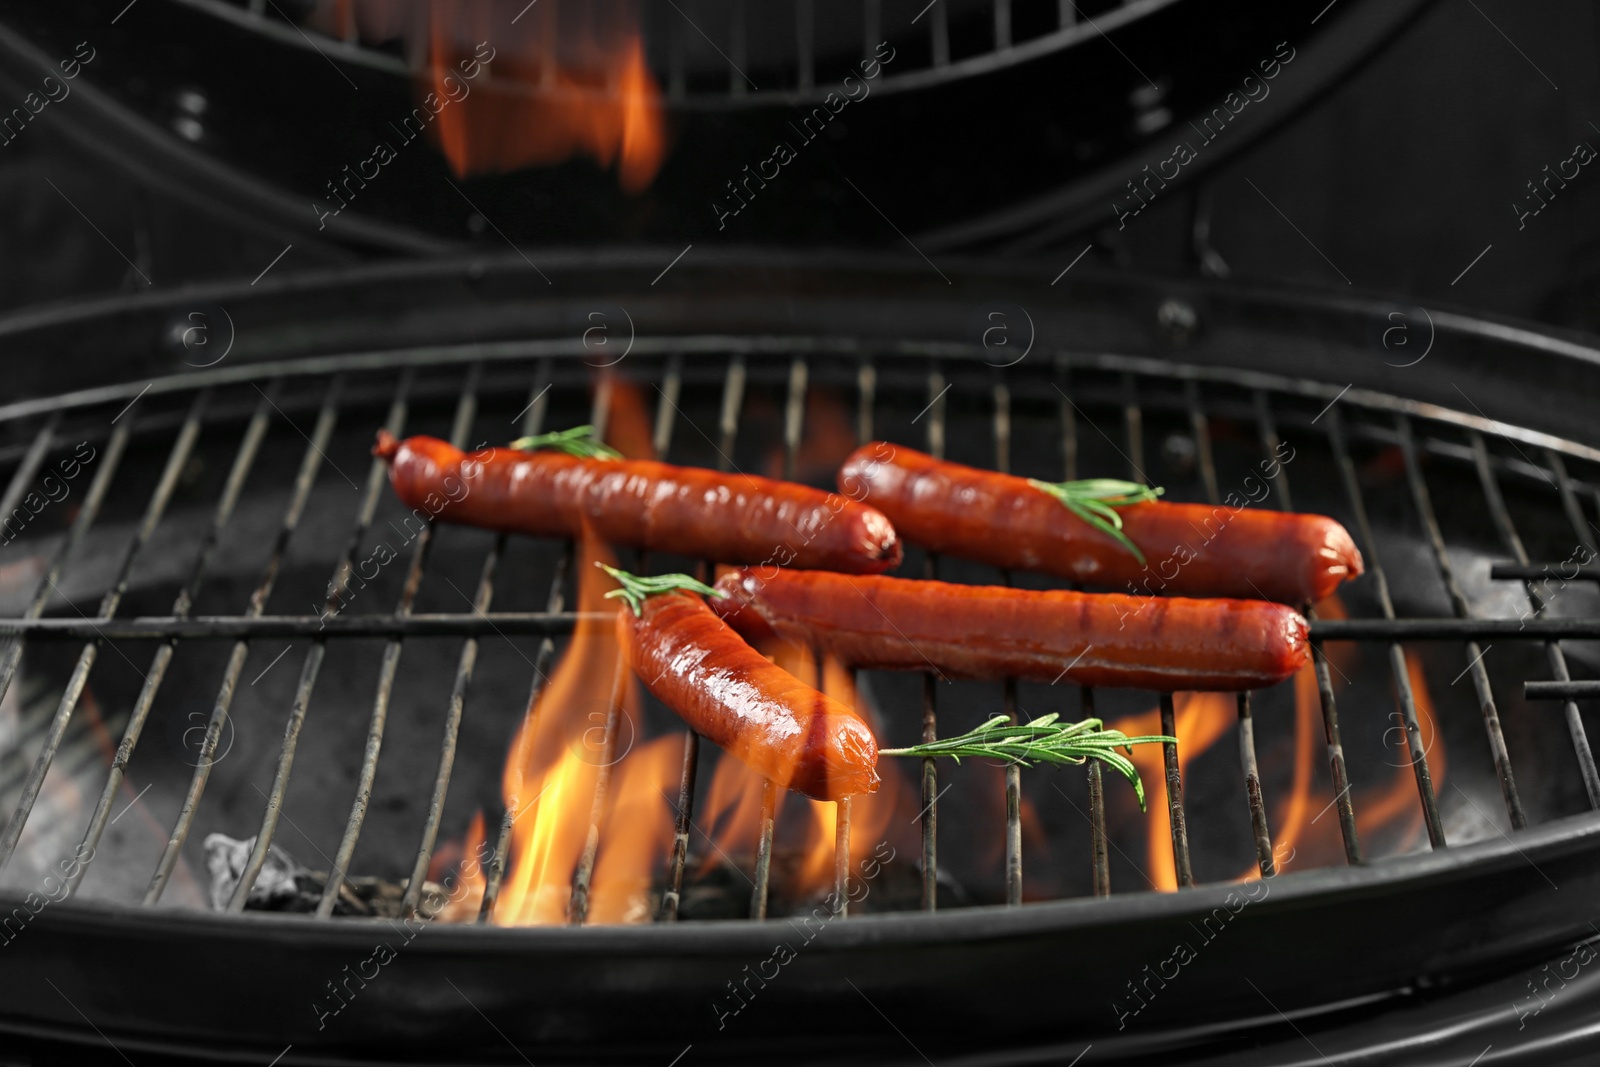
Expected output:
(1395, 181)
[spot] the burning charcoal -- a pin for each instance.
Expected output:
(284, 885)
(723, 891)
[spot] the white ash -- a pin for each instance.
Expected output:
(226, 859)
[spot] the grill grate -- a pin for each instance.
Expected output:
(724, 32)
(677, 368)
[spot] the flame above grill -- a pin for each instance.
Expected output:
(515, 91)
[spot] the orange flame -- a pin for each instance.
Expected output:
(549, 784)
(520, 92)
(628, 419)
(1396, 807)
(637, 832)
(1388, 818)
(731, 812)
(1200, 719)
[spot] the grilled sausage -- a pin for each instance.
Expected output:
(733, 518)
(757, 711)
(986, 631)
(1189, 549)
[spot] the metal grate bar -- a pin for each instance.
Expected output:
(1397, 659)
(772, 796)
(733, 387)
(794, 416)
(727, 427)
(1066, 14)
(1581, 528)
(1569, 499)
(841, 858)
(871, 25)
(182, 446)
(1100, 859)
(1177, 819)
(583, 878)
(1557, 658)
(930, 715)
(532, 423)
(683, 809)
(1100, 862)
(866, 393)
(468, 624)
(395, 424)
(244, 460)
(1002, 24)
(466, 663)
(1458, 601)
(310, 463)
(1271, 445)
(1133, 427)
(683, 816)
(939, 35)
(310, 668)
(28, 466)
(1008, 687)
(1252, 786)
(75, 533)
(1201, 428)
(1259, 829)
(769, 812)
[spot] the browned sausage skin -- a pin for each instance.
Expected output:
(965, 631)
(732, 518)
(758, 712)
(1189, 549)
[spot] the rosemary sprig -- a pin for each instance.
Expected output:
(635, 589)
(578, 441)
(1043, 739)
(1095, 500)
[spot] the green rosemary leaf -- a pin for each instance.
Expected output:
(636, 589)
(579, 441)
(1095, 500)
(1046, 740)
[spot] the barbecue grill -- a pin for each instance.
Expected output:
(360, 729)
(1006, 82)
